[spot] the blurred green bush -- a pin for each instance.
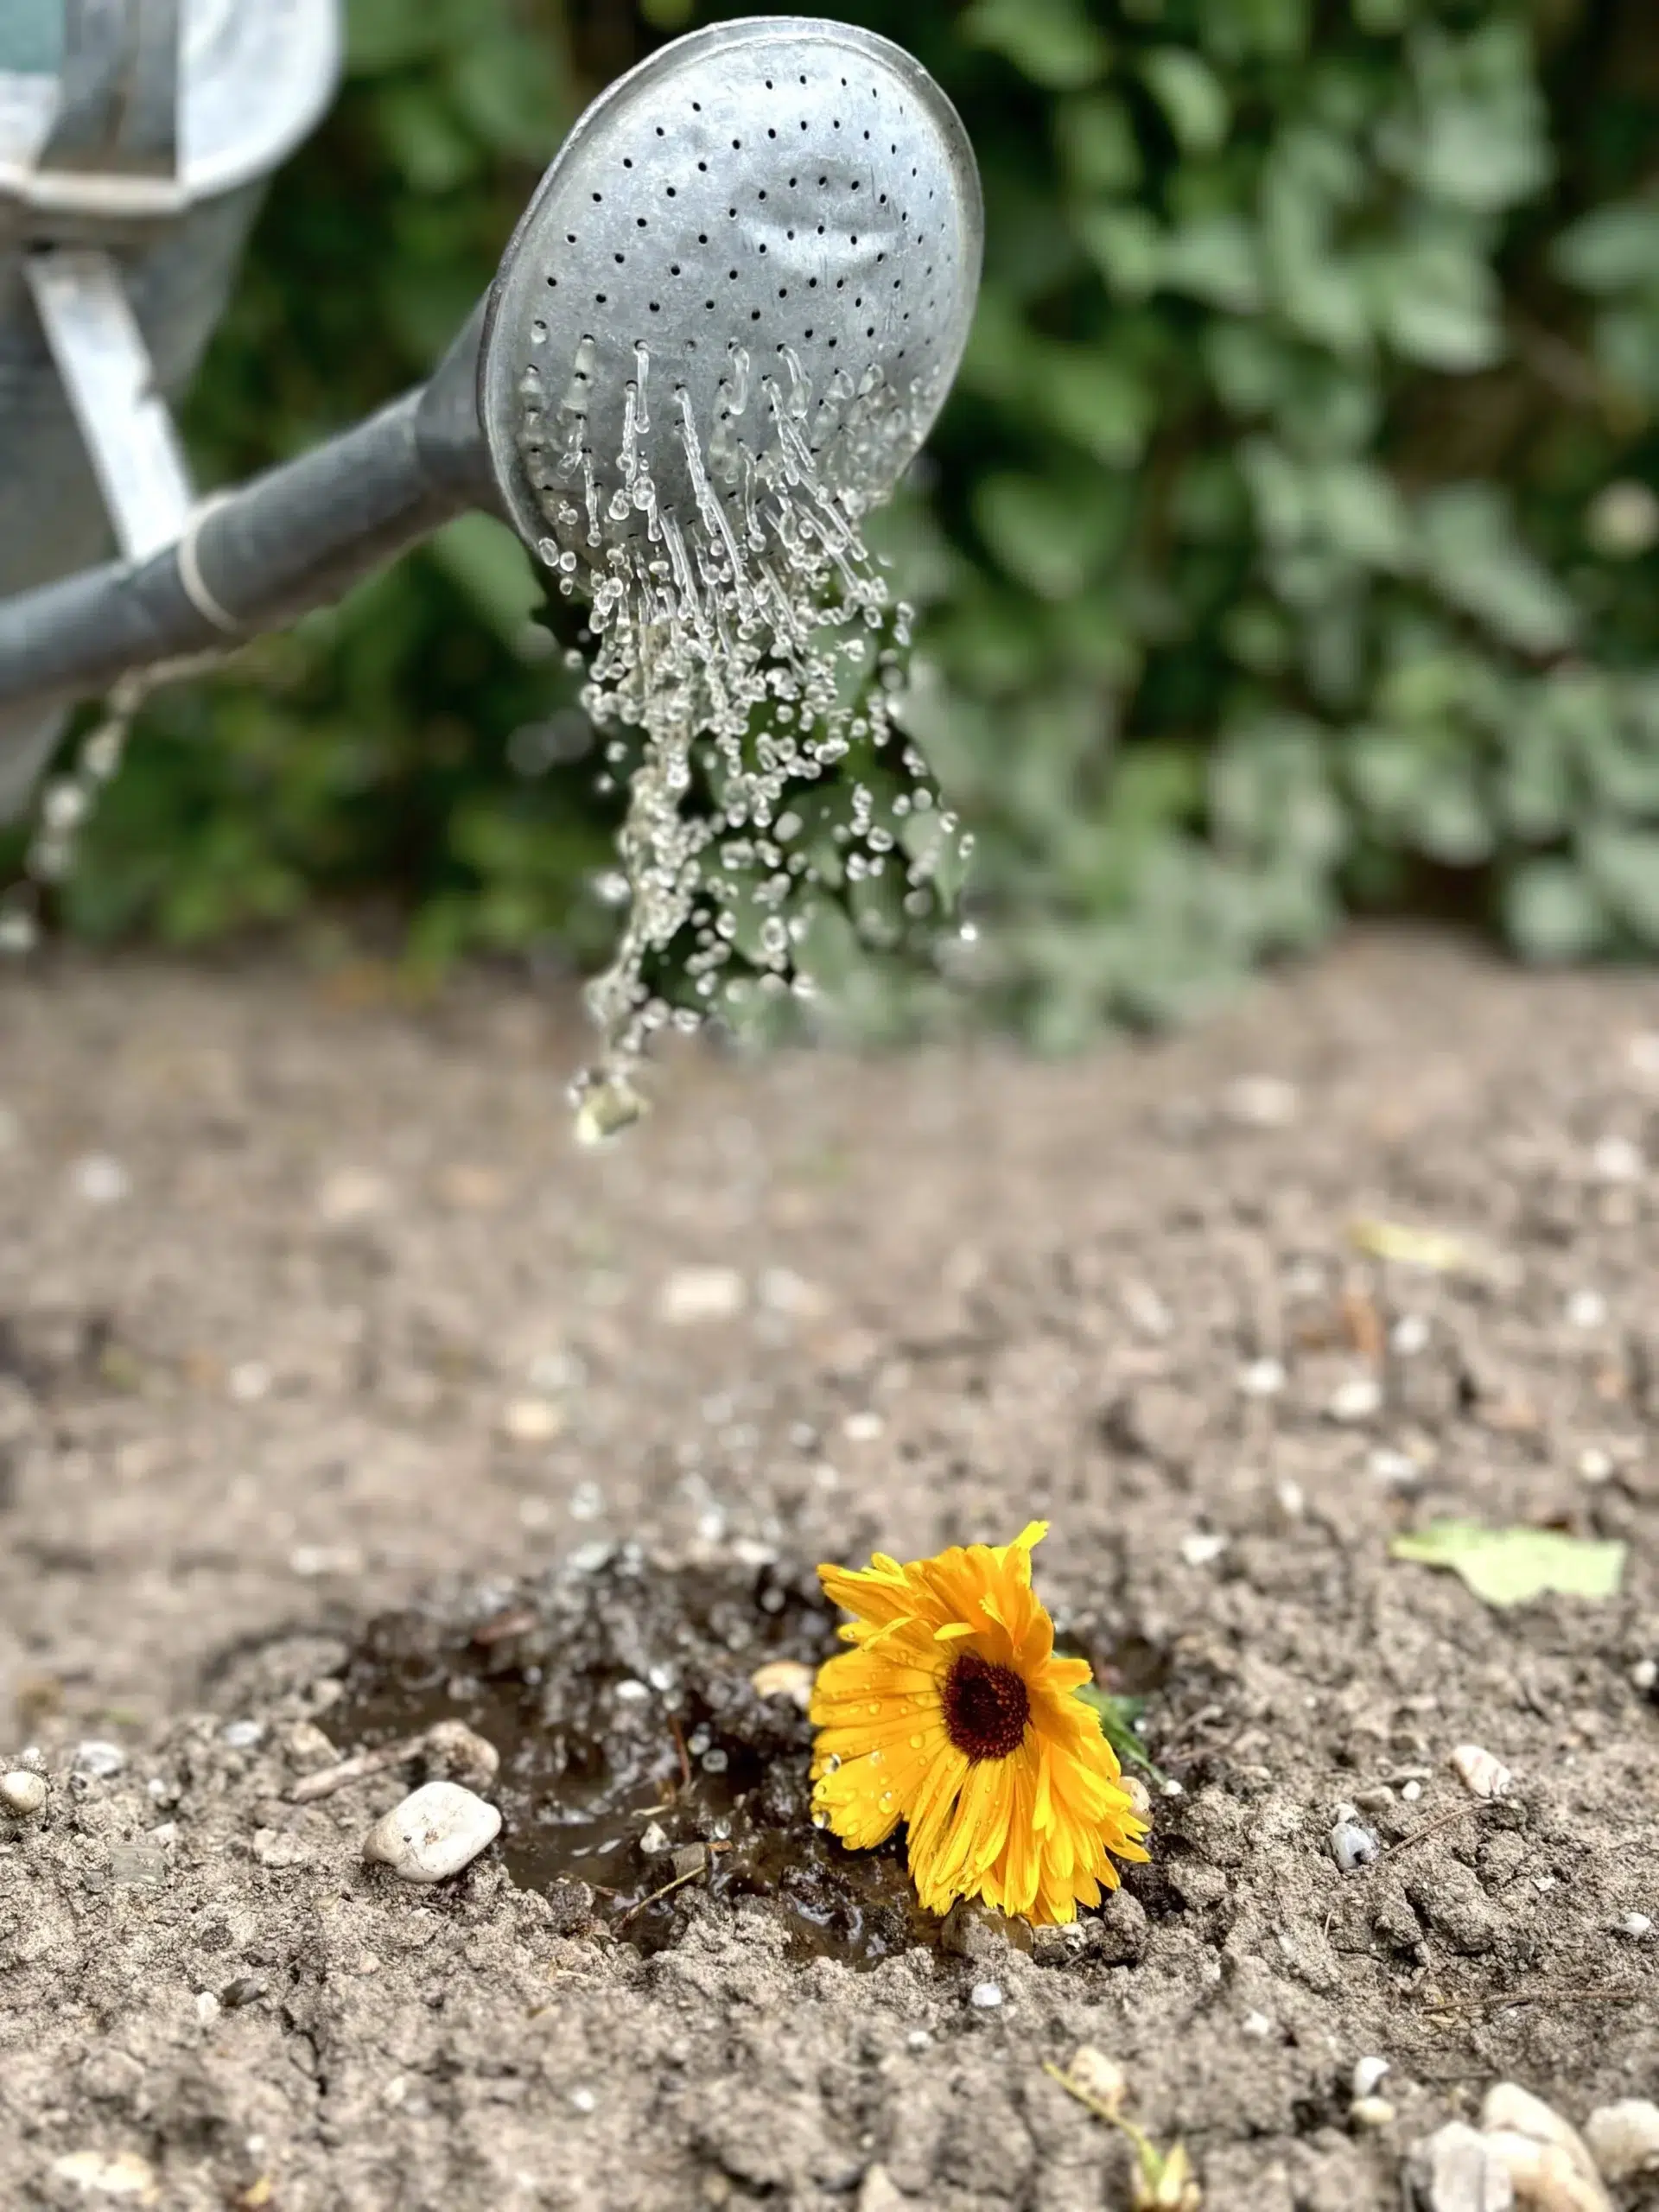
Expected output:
(1290, 544)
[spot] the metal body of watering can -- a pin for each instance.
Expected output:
(135, 136)
(666, 350)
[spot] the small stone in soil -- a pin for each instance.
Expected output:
(438, 1829)
(454, 1752)
(1623, 2138)
(1481, 1775)
(99, 1759)
(1368, 2076)
(1454, 2171)
(1352, 1846)
(985, 1996)
(23, 1794)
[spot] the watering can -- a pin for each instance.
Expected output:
(135, 138)
(751, 266)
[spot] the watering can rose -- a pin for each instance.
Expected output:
(951, 1713)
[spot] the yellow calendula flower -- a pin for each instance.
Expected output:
(952, 1714)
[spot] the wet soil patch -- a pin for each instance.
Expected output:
(640, 1767)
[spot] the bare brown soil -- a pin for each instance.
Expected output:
(310, 1311)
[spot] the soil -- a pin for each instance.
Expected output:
(339, 1392)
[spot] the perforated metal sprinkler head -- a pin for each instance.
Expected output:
(755, 258)
(749, 270)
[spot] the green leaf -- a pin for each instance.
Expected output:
(1551, 914)
(1622, 863)
(1471, 549)
(1051, 42)
(1126, 245)
(1508, 1566)
(1117, 1717)
(1053, 537)
(1362, 514)
(1215, 259)
(1191, 96)
(1096, 143)
(1437, 302)
(1097, 400)
(1612, 249)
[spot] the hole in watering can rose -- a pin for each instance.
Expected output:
(621, 1702)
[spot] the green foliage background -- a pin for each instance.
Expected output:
(1288, 547)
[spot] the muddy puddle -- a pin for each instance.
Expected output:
(637, 1759)
(652, 1756)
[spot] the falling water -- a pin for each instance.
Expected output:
(746, 663)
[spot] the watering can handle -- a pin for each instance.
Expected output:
(253, 559)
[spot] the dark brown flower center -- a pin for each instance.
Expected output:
(986, 1708)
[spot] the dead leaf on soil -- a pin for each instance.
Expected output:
(1507, 1567)
(1433, 1248)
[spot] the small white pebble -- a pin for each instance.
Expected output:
(1595, 1465)
(1371, 2112)
(1256, 2024)
(1586, 1309)
(1411, 1791)
(1543, 1883)
(1623, 2138)
(1481, 1775)
(1368, 2076)
(1202, 1547)
(1409, 1335)
(1398, 1469)
(1261, 1102)
(919, 2039)
(1644, 1675)
(1638, 1926)
(249, 1381)
(1102, 2077)
(311, 1560)
(100, 1179)
(207, 2007)
(653, 1839)
(630, 1692)
(243, 1735)
(782, 1291)
(1262, 1378)
(584, 2101)
(1355, 1400)
(531, 1420)
(1352, 1846)
(23, 1794)
(985, 1996)
(789, 1678)
(694, 1295)
(95, 1756)
(438, 1829)
(862, 1428)
(1616, 1159)
(1171, 1789)
(1293, 1499)
(110, 2173)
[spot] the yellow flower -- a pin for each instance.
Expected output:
(951, 1713)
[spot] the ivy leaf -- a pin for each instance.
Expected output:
(1192, 96)
(1509, 1566)
(1051, 42)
